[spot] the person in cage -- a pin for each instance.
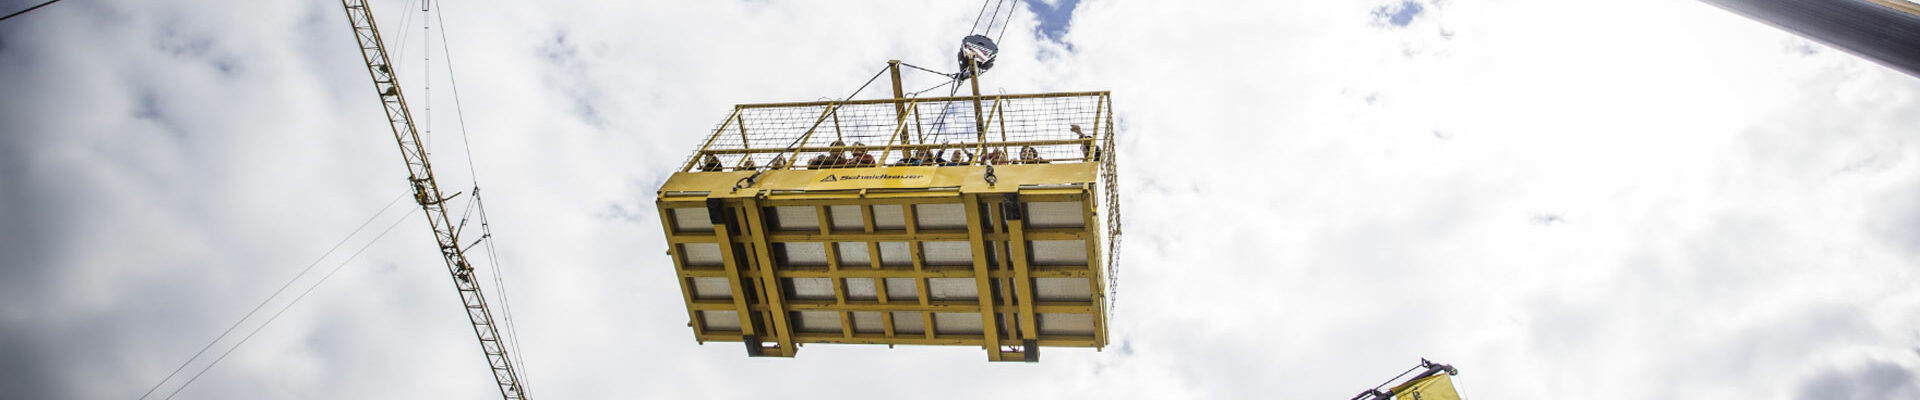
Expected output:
(710, 164)
(996, 157)
(1030, 155)
(860, 157)
(912, 158)
(779, 162)
(938, 159)
(746, 164)
(1087, 151)
(819, 161)
(836, 155)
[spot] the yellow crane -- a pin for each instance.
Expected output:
(426, 192)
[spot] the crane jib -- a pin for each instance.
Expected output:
(428, 195)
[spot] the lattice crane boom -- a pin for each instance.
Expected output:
(427, 193)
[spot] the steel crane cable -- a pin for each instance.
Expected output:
(1005, 23)
(459, 112)
(17, 13)
(996, 15)
(928, 70)
(856, 92)
(917, 94)
(749, 180)
(276, 294)
(289, 305)
(976, 18)
(486, 231)
(995, 19)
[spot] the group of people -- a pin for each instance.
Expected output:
(922, 157)
(712, 164)
(837, 157)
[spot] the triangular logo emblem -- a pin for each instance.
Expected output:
(829, 178)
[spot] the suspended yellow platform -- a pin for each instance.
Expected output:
(894, 225)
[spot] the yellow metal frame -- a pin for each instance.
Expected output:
(1003, 277)
(1000, 261)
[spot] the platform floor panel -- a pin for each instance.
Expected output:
(1011, 267)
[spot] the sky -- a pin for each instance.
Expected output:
(1634, 199)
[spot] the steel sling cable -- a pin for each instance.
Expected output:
(928, 70)
(1009, 21)
(996, 15)
(288, 306)
(856, 92)
(486, 232)
(976, 18)
(17, 13)
(750, 179)
(276, 294)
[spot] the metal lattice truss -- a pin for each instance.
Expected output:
(432, 201)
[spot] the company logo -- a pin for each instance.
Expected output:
(853, 177)
(873, 178)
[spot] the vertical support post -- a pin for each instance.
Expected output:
(776, 301)
(1000, 114)
(837, 136)
(837, 280)
(744, 144)
(879, 284)
(979, 121)
(1022, 278)
(983, 277)
(917, 129)
(1096, 262)
(901, 134)
(899, 96)
(723, 236)
(793, 157)
(919, 269)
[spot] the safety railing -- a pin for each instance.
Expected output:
(1002, 129)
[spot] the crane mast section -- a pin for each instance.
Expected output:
(427, 193)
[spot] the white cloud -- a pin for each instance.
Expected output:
(1737, 213)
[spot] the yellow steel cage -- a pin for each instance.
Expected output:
(969, 221)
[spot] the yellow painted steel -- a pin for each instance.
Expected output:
(686, 292)
(1436, 387)
(734, 280)
(770, 287)
(1022, 279)
(872, 178)
(983, 283)
(896, 234)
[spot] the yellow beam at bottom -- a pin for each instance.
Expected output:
(940, 340)
(757, 228)
(984, 284)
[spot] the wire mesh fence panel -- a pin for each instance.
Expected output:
(1006, 129)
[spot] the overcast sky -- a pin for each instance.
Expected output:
(1630, 199)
